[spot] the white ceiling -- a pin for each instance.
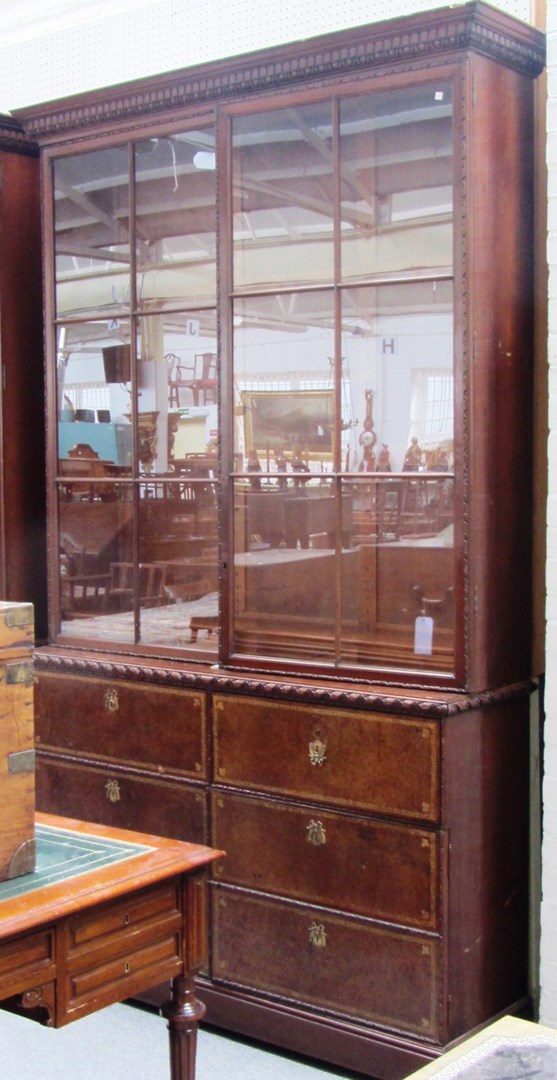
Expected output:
(53, 48)
(21, 20)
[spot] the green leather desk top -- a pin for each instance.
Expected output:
(62, 854)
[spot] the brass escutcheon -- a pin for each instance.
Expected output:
(111, 702)
(317, 751)
(112, 789)
(315, 833)
(317, 935)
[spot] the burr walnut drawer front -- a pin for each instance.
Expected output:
(366, 760)
(362, 865)
(162, 807)
(344, 965)
(114, 946)
(155, 727)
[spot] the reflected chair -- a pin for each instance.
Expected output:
(200, 379)
(82, 588)
(151, 585)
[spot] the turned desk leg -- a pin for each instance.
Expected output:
(183, 1013)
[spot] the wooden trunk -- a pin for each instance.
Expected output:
(17, 755)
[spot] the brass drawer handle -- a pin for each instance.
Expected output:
(111, 702)
(317, 750)
(112, 789)
(316, 833)
(317, 935)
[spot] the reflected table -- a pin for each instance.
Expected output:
(106, 915)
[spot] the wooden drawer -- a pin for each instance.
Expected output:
(111, 797)
(109, 949)
(357, 864)
(355, 759)
(343, 965)
(27, 964)
(134, 724)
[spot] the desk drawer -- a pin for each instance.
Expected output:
(148, 726)
(386, 764)
(361, 865)
(26, 963)
(111, 797)
(114, 945)
(342, 965)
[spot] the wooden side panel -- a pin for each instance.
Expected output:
(486, 807)
(22, 443)
(499, 286)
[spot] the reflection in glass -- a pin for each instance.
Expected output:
(399, 571)
(284, 380)
(343, 476)
(396, 181)
(95, 538)
(92, 231)
(177, 392)
(178, 556)
(93, 369)
(283, 196)
(397, 346)
(175, 219)
(284, 561)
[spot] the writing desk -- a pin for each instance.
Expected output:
(107, 914)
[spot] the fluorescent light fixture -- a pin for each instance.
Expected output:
(204, 159)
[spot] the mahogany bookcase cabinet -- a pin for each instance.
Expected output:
(290, 600)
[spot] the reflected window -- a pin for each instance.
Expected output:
(283, 215)
(175, 207)
(92, 231)
(396, 181)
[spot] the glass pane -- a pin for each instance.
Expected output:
(398, 574)
(95, 545)
(94, 393)
(398, 561)
(396, 181)
(284, 382)
(282, 196)
(178, 552)
(177, 388)
(92, 231)
(398, 385)
(175, 219)
(284, 565)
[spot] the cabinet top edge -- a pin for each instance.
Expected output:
(14, 139)
(439, 34)
(431, 704)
